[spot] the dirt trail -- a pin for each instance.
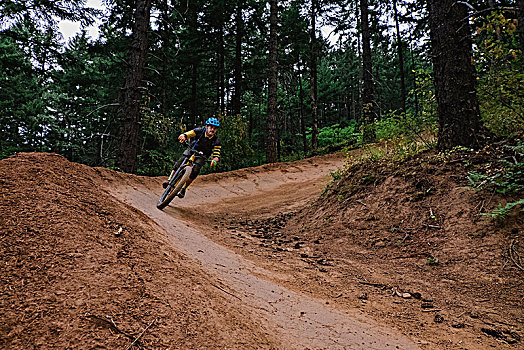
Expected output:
(248, 261)
(303, 322)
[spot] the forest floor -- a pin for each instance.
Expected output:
(394, 255)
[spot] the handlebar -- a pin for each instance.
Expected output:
(188, 146)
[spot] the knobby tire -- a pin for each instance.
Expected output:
(172, 190)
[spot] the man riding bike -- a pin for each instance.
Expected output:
(205, 140)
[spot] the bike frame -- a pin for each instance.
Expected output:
(179, 176)
(188, 161)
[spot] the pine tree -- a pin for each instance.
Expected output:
(455, 84)
(131, 92)
(271, 137)
(368, 108)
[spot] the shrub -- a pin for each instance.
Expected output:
(509, 179)
(501, 76)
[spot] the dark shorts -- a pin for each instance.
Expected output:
(196, 166)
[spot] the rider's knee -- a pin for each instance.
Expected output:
(195, 171)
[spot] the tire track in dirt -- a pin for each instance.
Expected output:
(303, 322)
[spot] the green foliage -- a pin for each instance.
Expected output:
(501, 76)
(508, 180)
(424, 92)
(51, 11)
(63, 97)
(336, 134)
(501, 212)
(432, 261)
(402, 135)
(477, 180)
(155, 158)
(155, 163)
(445, 155)
(236, 151)
(337, 174)
(19, 105)
(87, 87)
(396, 124)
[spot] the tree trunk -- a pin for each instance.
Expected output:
(221, 64)
(313, 63)
(400, 59)
(164, 108)
(414, 69)
(520, 18)
(250, 124)
(302, 114)
(271, 140)
(455, 84)
(194, 94)
(195, 61)
(130, 98)
(367, 76)
(237, 96)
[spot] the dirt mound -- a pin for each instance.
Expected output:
(404, 243)
(415, 228)
(401, 242)
(83, 270)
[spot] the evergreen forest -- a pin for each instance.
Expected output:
(286, 79)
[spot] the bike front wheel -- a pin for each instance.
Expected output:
(175, 185)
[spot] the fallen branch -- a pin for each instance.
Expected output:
(482, 207)
(516, 259)
(360, 202)
(501, 322)
(141, 334)
(432, 226)
(225, 291)
(108, 320)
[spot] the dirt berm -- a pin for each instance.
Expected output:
(255, 259)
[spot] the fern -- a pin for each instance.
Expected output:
(509, 180)
(502, 211)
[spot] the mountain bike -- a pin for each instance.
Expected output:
(179, 176)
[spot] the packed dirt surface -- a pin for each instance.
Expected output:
(82, 270)
(254, 259)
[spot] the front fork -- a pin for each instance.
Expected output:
(189, 162)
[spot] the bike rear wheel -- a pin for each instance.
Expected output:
(175, 185)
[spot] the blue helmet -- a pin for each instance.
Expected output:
(213, 121)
